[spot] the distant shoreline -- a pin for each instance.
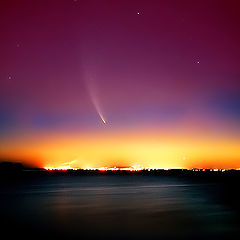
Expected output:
(204, 175)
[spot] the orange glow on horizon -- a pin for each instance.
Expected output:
(157, 149)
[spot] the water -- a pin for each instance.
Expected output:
(117, 207)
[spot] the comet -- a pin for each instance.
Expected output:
(95, 102)
(102, 119)
(99, 111)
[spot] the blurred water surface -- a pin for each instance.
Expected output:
(117, 207)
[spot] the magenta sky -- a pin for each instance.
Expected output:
(151, 64)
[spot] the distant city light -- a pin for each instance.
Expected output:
(132, 169)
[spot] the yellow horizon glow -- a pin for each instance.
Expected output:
(150, 149)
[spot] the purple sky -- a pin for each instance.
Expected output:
(149, 63)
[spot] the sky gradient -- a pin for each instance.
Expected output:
(164, 75)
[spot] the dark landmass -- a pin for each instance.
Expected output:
(10, 168)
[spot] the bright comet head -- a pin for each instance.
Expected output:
(104, 121)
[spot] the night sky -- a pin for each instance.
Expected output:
(119, 83)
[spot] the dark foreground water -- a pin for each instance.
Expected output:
(118, 207)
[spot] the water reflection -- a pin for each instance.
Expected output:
(117, 206)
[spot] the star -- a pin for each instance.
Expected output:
(9, 77)
(198, 62)
(138, 13)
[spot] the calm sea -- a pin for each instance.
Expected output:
(117, 207)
